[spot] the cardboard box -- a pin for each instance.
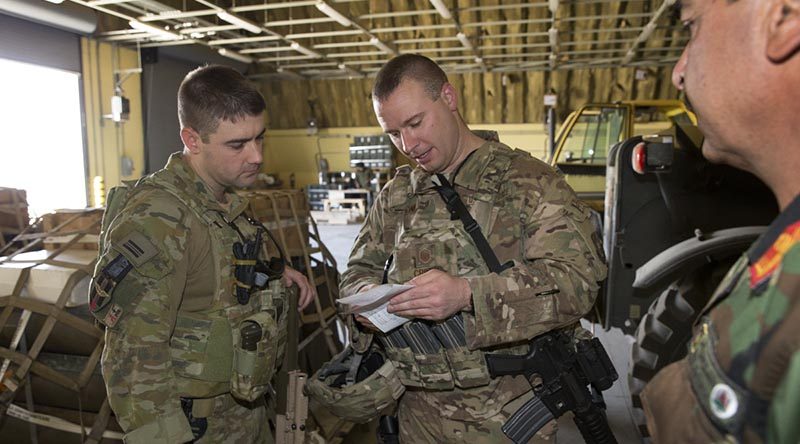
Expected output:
(14, 215)
(46, 281)
(71, 222)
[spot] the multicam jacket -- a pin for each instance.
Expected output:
(741, 379)
(163, 287)
(530, 216)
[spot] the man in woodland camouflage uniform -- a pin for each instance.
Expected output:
(533, 222)
(193, 336)
(741, 379)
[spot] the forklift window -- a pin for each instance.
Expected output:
(595, 132)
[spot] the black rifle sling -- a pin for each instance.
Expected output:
(457, 208)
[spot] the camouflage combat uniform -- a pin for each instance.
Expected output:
(741, 379)
(530, 216)
(163, 287)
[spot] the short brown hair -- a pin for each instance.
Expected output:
(213, 93)
(412, 66)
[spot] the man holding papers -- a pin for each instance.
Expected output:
(495, 245)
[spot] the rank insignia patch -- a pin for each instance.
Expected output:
(762, 269)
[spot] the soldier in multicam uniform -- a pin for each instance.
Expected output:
(191, 342)
(533, 222)
(741, 379)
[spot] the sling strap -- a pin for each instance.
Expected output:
(457, 209)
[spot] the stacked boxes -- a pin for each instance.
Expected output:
(13, 213)
(84, 224)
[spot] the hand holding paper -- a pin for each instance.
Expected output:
(372, 305)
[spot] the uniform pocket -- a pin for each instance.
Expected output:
(200, 348)
(417, 256)
(434, 371)
(255, 352)
(405, 365)
(468, 367)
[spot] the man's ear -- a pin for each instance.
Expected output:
(191, 140)
(449, 96)
(783, 39)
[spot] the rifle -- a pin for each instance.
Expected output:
(559, 374)
(290, 428)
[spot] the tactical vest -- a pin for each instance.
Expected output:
(427, 354)
(206, 347)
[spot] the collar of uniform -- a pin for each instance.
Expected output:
(187, 179)
(766, 253)
(472, 169)
(787, 218)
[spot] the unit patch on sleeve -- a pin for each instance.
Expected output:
(112, 315)
(105, 281)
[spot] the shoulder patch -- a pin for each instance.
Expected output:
(137, 248)
(102, 288)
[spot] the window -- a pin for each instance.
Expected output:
(42, 147)
(595, 132)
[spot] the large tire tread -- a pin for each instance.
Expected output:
(664, 331)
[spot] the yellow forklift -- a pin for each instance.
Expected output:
(672, 225)
(588, 134)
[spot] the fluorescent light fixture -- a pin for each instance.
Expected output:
(333, 13)
(442, 9)
(289, 73)
(552, 35)
(296, 46)
(58, 2)
(648, 29)
(629, 56)
(376, 42)
(464, 40)
(144, 27)
(350, 71)
(235, 55)
(552, 5)
(240, 22)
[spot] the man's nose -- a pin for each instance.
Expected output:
(679, 70)
(408, 141)
(256, 154)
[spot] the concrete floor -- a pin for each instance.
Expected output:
(339, 240)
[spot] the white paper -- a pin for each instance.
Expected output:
(372, 305)
(384, 320)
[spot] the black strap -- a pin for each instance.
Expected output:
(457, 208)
(386, 267)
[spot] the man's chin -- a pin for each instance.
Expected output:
(725, 157)
(246, 180)
(710, 153)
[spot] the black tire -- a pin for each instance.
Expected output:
(665, 329)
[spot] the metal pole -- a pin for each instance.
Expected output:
(551, 131)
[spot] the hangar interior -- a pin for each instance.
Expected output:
(520, 69)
